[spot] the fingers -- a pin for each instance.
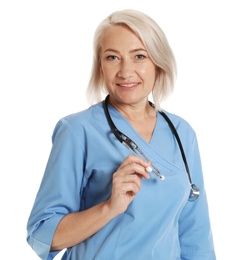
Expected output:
(127, 181)
(129, 175)
(134, 165)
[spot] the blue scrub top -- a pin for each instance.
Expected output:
(160, 223)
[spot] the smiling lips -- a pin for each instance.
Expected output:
(130, 85)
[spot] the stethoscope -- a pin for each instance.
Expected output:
(132, 146)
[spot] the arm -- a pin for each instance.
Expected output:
(78, 226)
(55, 222)
(194, 225)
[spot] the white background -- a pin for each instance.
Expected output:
(45, 62)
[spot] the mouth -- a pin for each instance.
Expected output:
(129, 85)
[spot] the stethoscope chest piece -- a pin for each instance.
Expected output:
(194, 193)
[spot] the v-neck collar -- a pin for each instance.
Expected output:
(124, 126)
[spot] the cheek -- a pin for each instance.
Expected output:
(107, 73)
(148, 73)
(103, 74)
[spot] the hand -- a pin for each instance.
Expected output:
(127, 181)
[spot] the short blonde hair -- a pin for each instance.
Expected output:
(156, 44)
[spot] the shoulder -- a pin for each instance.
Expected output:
(179, 122)
(182, 126)
(84, 116)
(81, 121)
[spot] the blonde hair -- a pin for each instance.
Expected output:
(156, 44)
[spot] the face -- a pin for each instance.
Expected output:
(127, 69)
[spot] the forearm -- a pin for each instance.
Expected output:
(78, 226)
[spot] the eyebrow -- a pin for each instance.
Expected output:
(131, 51)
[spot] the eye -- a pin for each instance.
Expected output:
(140, 57)
(111, 57)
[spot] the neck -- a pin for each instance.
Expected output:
(141, 117)
(135, 112)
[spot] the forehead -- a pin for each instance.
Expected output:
(120, 36)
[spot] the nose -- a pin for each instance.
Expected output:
(125, 69)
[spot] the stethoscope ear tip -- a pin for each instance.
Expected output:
(148, 169)
(162, 177)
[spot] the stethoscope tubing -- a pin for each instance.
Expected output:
(195, 191)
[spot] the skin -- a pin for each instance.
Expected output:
(129, 74)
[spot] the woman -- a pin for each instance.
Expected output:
(101, 199)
